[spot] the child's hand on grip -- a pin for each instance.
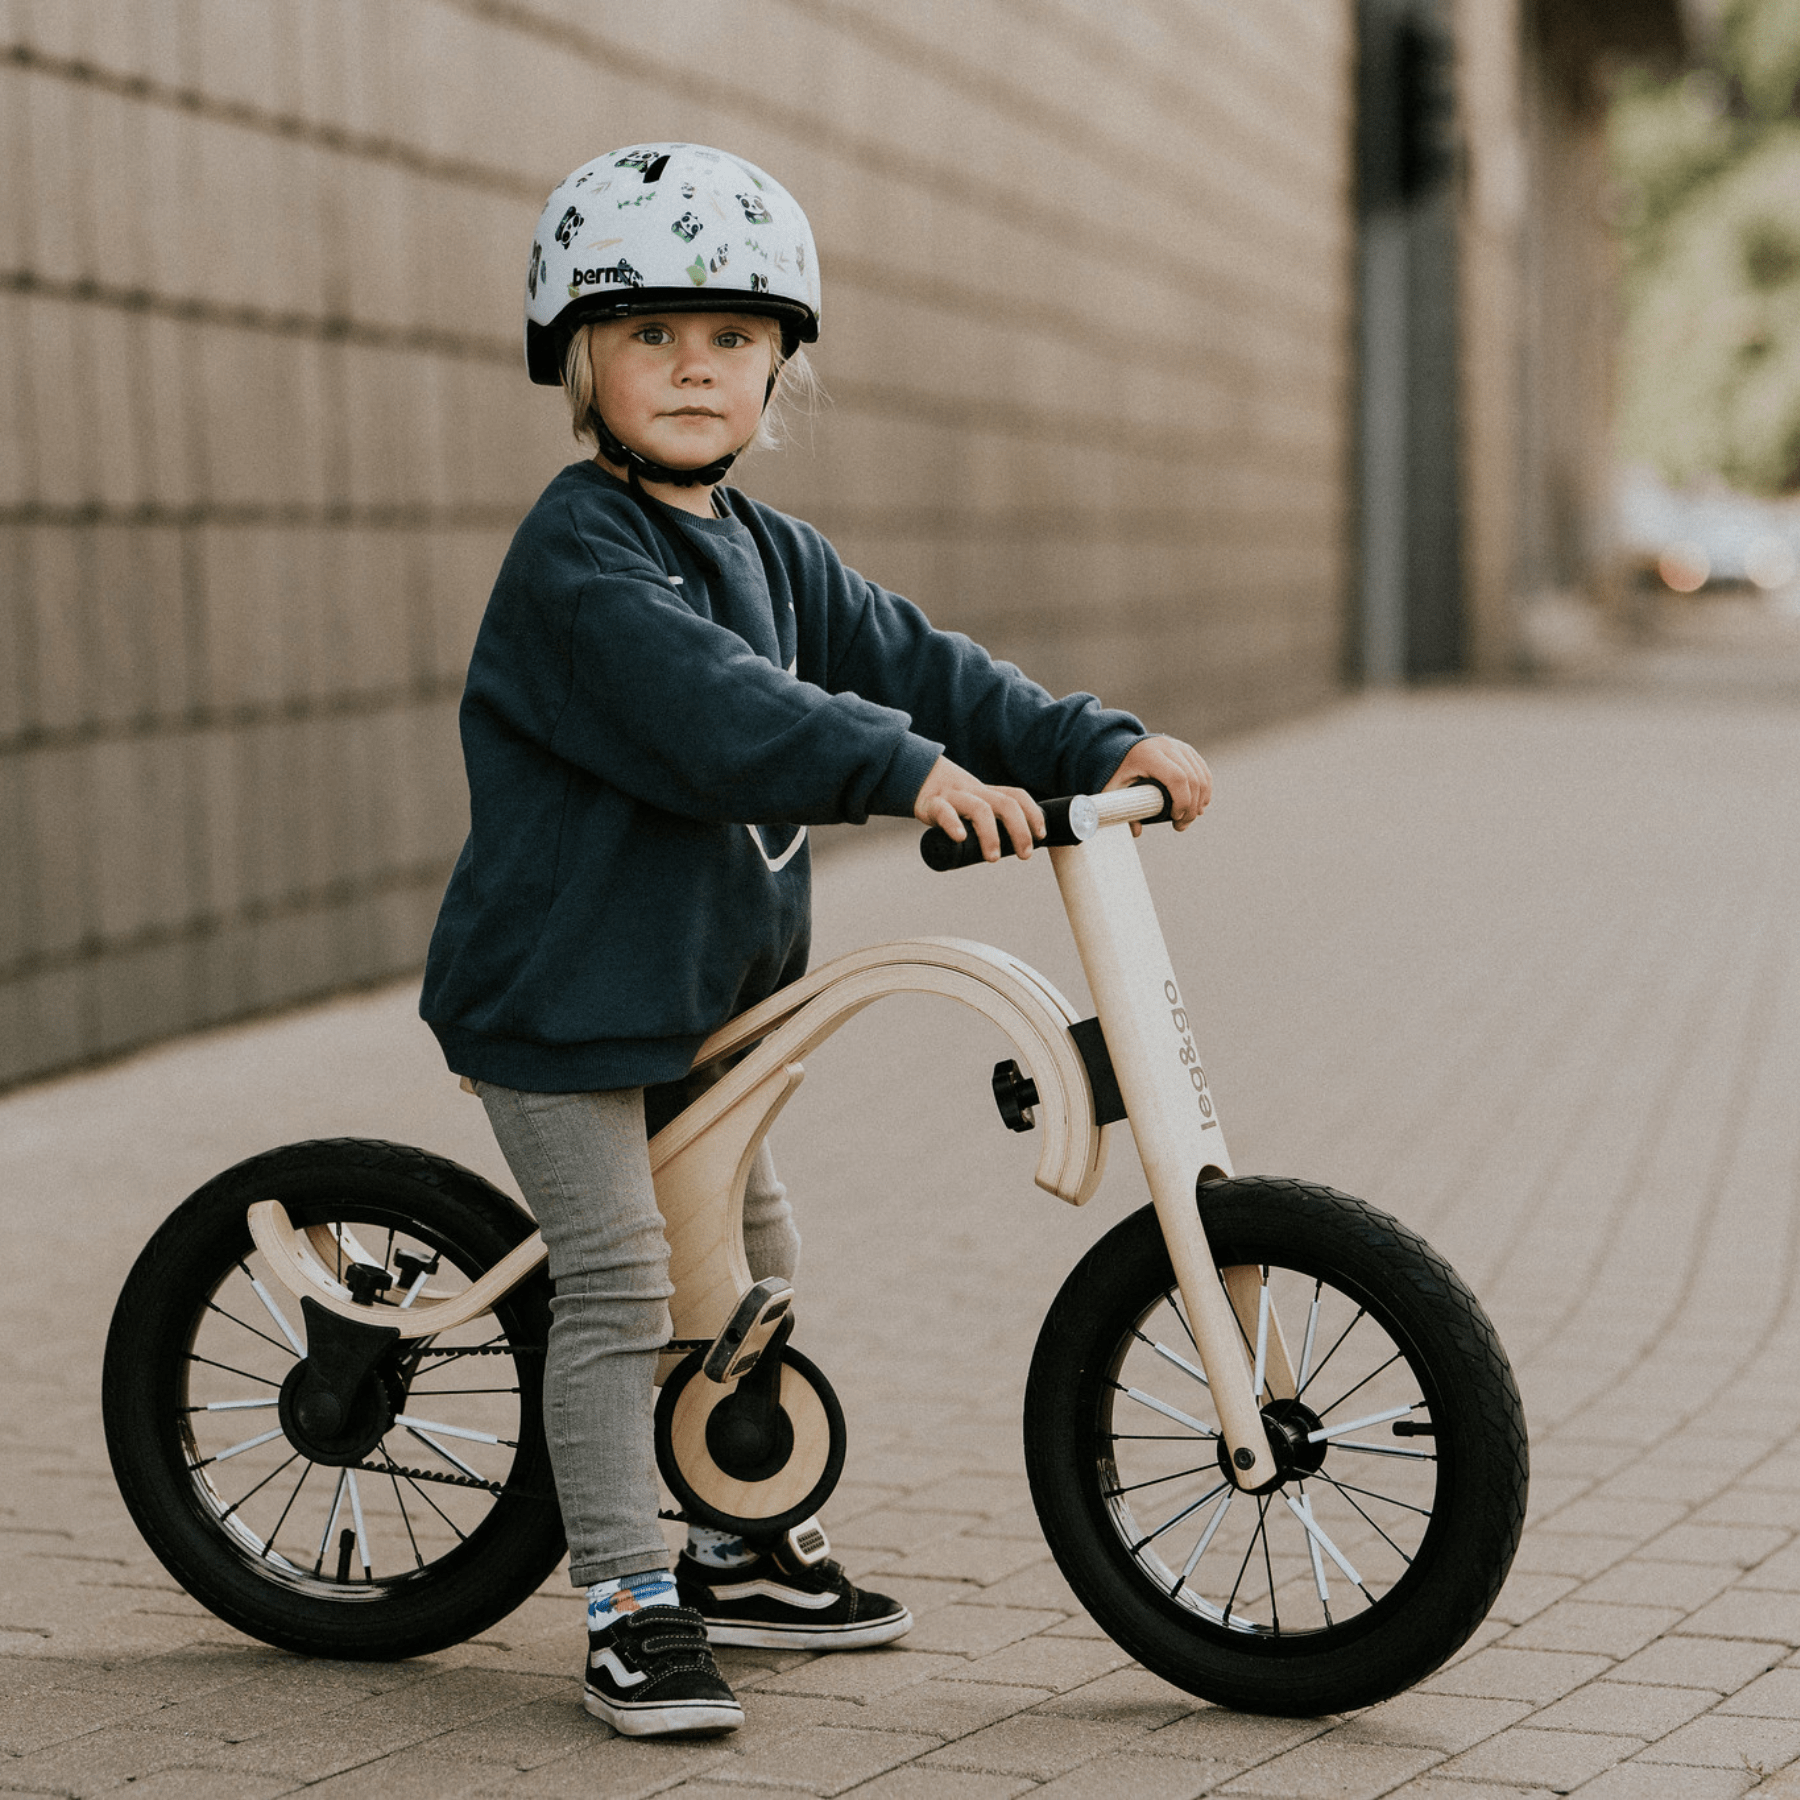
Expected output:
(1177, 766)
(951, 795)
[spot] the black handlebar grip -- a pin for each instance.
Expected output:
(943, 853)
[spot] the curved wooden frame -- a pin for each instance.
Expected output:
(701, 1160)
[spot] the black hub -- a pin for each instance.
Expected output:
(339, 1400)
(1288, 1422)
(747, 1442)
(305, 1413)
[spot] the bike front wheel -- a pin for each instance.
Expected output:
(435, 1516)
(1401, 1440)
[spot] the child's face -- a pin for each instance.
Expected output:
(685, 388)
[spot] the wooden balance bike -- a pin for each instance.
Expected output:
(1272, 1439)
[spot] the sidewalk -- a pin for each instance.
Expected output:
(1522, 967)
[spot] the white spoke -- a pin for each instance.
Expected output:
(1262, 1337)
(337, 1506)
(1178, 1515)
(1315, 1535)
(1380, 1418)
(1171, 1412)
(449, 1456)
(274, 1312)
(362, 1536)
(455, 1431)
(412, 1293)
(1312, 1549)
(1206, 1537)
(1306, 1349)
(1385, 1450)
(1181, 1362)
(240, 1405)
(247, 1444)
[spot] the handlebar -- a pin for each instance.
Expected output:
(1071, 820)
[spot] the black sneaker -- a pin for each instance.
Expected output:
(779, 1604)
(651, 1674)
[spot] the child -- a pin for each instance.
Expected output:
(664, 668)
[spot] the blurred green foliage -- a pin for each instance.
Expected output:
(1708, 168)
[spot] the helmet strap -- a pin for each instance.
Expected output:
(640, 468)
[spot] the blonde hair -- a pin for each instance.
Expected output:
(795, 381)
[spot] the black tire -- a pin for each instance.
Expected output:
(404, 1560)
(1257, 1615)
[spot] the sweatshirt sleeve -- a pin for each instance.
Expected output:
(684, 715)
(990, 716)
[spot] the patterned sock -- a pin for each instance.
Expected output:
(718, 1549)
(630, 1593)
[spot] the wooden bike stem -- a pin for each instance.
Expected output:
(1151, 1041)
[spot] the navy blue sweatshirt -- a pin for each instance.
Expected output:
(645, 683)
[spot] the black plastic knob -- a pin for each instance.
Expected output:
(1015, 1093)
(367, 1283)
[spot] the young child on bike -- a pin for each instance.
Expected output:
(670, 683)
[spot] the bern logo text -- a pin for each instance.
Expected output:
(619, 274)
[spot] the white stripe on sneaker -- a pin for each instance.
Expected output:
(773, 1590)
(608, 1659)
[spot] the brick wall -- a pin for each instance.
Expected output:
(1495, 198)
(265, 431)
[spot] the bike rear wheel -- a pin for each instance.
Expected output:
(1405, 1459)
(441, 1517)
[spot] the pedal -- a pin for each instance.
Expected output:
(807, 1543)
(735, 1350)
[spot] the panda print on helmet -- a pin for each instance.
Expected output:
(648, 160)
(666, 227)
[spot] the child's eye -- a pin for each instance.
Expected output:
(732, 340)
(652, 334)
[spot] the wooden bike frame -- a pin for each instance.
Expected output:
(701, 1160)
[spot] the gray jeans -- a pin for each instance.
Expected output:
(583, 1164)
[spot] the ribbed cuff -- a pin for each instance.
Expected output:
(913, 760)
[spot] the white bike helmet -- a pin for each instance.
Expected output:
(664, 228)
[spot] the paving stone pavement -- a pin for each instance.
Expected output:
(1522, 967)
